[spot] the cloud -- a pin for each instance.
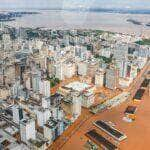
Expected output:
(74, 3)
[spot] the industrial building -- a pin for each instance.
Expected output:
(110, 130)
(130, 112)
(100, 140)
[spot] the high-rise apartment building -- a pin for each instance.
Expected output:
(27, 130)
(17, 113)
(112, 78)
(45, 88)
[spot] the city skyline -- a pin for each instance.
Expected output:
(74, 72)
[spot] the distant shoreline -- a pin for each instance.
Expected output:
(11, 16)
(64, 19)
(100, 10)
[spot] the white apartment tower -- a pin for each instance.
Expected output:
(59, 71)
(82, 68)
(45, 88)
(45, 102)
(112, 78)
(27, 130)
(69, 70)
(99, 78)
(17, 113)
(42, 116)
(76, 108)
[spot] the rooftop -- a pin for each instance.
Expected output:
(37, 143)
(78, 86)
(131, 109)
(51, 123)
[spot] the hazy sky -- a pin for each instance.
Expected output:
(133, 4)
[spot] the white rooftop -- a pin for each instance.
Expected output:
(11, 130)
(78, 86)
